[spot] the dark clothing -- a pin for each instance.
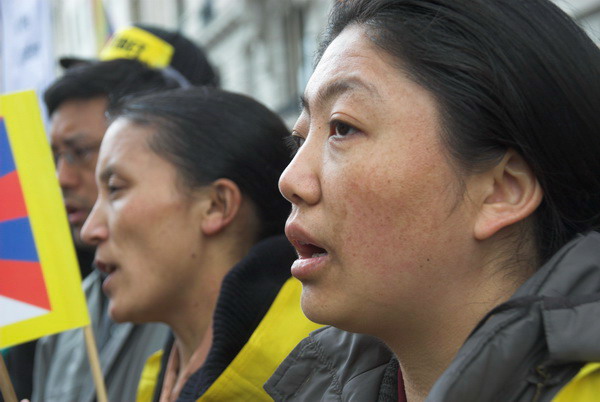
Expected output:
(529, 347)
(19, 362)
(86, 260)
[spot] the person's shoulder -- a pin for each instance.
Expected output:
(331, 364)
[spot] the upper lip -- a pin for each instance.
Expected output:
(305, 244)
(105, 267)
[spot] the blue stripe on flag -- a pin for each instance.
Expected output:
(16, 241)
(7, 163)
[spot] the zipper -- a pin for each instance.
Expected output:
(540, 385)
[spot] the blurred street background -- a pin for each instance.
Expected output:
(263, 48)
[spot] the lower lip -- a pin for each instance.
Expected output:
(106, 283)
(304, 268)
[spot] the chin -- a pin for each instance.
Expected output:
(316, 310)
(324, 312)
(118, 314)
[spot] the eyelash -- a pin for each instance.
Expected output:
(295, 141)
(334, 125)
(112, 188)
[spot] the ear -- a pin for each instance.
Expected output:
(511, 194)
(225, 199)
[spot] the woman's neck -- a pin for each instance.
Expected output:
(191, 318)
(192, 348)
(425, 350)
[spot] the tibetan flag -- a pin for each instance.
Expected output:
(40, 283)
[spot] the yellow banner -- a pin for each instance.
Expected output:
(40, 283)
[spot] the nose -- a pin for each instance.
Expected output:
(68, 174)
(95, 229)
(300, 182)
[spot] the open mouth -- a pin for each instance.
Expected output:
(309, 250)
(105, 267)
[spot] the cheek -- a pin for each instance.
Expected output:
(389, 220)
(164, 250)
(90, 185)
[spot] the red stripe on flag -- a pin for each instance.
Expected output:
(12, 203)
(24, 281)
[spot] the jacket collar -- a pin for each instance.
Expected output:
(548, 323)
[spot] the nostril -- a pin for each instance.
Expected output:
(295, 199)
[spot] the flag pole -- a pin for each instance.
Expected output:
(92, 351)
(6, 387)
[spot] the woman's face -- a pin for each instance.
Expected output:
(379, 218)
(144, 226)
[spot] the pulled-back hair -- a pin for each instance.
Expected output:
(208, 133)
(113, 79)
(514, 74)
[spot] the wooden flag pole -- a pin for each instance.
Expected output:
(6, 387)
(92, 351)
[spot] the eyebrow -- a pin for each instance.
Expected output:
(73, 140)
(335, 89)
(106, 173)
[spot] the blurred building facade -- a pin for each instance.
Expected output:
(263, 48)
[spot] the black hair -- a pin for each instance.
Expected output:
(208, 133)
(506, 74)
(113, 79)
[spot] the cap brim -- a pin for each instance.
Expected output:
(68, 62)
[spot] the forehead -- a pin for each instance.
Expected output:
(125, 151)
(79, 120)
(124, 137)
(353, 64)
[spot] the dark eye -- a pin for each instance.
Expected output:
(112, 188)
(341, 129)
(294, 142)
(80, 153)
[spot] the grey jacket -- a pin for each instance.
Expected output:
(62, 372)
(526, 349)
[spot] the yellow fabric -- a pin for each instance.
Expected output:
(584, 387)
(149, 378)
(281, 329)
(135, 43)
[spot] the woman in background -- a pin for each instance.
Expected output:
(188, 228)
(445, 195)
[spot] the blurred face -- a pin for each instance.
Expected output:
(77, 130)
(378, 217)
(145, 228)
